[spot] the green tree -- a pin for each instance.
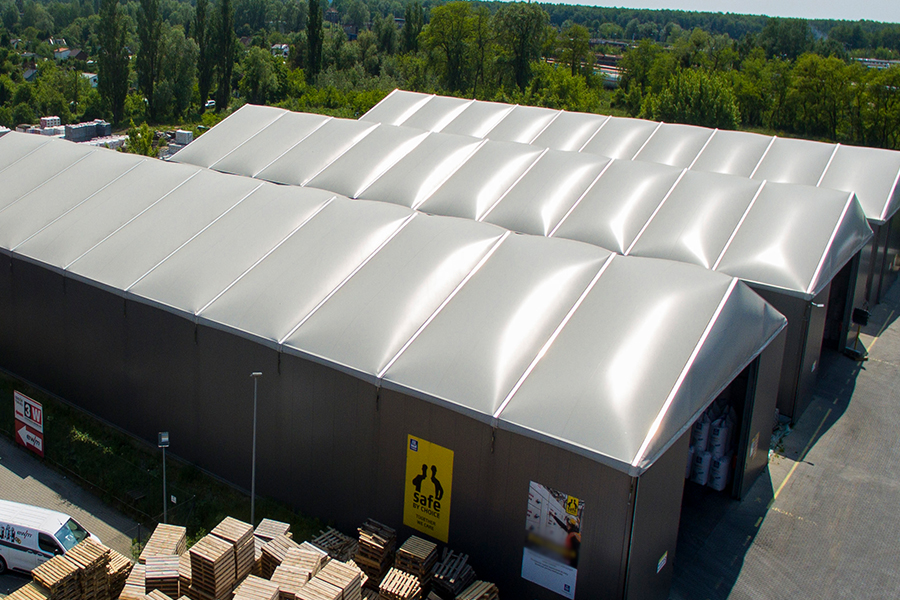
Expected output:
(149, 20)
(576, 47)
(260, 81)
(140, 140)
(412, 26)
(386, 34)
(226, 47)
(447, 37)
(695, 97)
(481, 47)
(112, 76)
(521, 28)
(178, 65)
(206, 64)
(314, 39)
(822, 91)
(786, 38)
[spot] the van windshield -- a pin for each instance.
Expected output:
(70, 534)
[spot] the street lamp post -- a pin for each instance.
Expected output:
(255, 375)
(163, 442)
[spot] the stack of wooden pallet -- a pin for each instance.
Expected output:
(376, 549)
(161, 573)
(269, 529)
(184, 572)
(317, 589)
(273, 553)
(417, 556)
(369, 594)
(400, 585)
(289, 580)
(118, 571)
(212, 568)
(307, 561)
(240, 536)
(92, 559)
(480, 590)
(158, 595)
(452, 574)
(134, 586)
(166, 540)
(256, 588)
(31, 591)
(59, 577)
(343, 576)
(336, 544)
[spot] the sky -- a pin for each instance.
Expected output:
(873, 10)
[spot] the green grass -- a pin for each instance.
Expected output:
(127, 473)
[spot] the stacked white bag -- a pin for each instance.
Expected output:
(710, 456)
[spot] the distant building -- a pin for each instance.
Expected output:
(62, 53)
(77, 54)
(332, 16)
(281, 50)
(29, 75)
(877, 63)
(91, 77)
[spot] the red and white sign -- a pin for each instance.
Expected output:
(29, 423)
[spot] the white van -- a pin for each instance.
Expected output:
(29, 535)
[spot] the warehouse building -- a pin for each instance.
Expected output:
(534, 376)
(796, 244)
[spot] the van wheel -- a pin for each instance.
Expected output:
(2, 566)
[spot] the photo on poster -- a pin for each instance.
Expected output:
(429, 487)
(552, 539)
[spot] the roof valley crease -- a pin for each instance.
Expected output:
(452, 311)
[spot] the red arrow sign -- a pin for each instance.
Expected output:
(30, 438)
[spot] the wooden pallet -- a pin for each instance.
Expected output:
(306, 560)
(212, 567)
(417, 556)
(336, 544)
(452, 574)
(165, 540)
(289, 579)
(273, 553)
(256, 588)
(480, 590)
(58, 576)
(184, 572)
(343, 576)
(240, 536)
(31, 591)
(375, 552)
(161, 573)
(268, 529)
(317, 589)
(400, 585)
(134, 586)
(159, 595)
(92, 560)
(117, 572)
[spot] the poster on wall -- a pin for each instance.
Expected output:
(429, 483)
(552, 539)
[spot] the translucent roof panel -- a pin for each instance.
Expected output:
(481, 181)
(73, 234)
(265, 147)
(675, 145)
(732, 152)
(273, 297)
(242, 124)
(316, 151)
(616, 208)
(354, 170)
(607, 400)
(786, 253)
(794, 161)
(43, 164)
(620, 137)
(396, 107)
(478, 118)
(130, 252)
(21, 146)
(569, 131)
(697, 219)
(37, 209)
(415, 176)
(366, 323)
(522, 124)
(872, 174)
(437, 113)
(475, 350)
(541, 198)
(192, 277)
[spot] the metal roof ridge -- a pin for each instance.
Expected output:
(243, 143)
(46, 181)
(478, 146)
(763, 157)
(828, 164)
(514, 184)
(328, 119)
(580, 198)
(346, 150)
(544, 128)
(593, 135)
(738, 226)
(647, 141)
(705, 144)
(655, 211)
(851, 198)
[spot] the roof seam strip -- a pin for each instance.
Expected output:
(496, 416)
(46, 181)
(246, 141)
(763, 157)
(647, 141)
(23, 157)
(684, 371)
(834, 232)
(421, 137)
(77, 205)
(346, 150)
(338, 287)
(887, 203)
(593, 135)
(828, 164)
(544, 128)
(581, 197)
(478, 146)
(653, 214)
(443, 304)
(266, 255)
(294, 145)
(738, 226)
(132, 219)
(708, 140)
(193, 237)
(514, 184)
(509, 109)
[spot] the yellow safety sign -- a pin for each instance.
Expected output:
(429, 482)
(572, 505)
